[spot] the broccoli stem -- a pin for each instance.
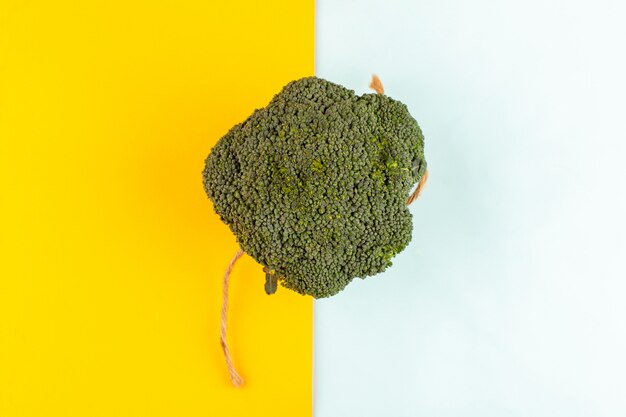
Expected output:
(271, 281)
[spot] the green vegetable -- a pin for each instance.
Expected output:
(314, 186)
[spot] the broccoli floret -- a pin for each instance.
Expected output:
(314, 185)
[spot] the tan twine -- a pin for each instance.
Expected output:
(235, 378)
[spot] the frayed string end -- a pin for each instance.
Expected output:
(377, 85)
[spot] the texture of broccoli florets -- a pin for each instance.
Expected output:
(314, 186)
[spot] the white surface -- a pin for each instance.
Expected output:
(510, 299)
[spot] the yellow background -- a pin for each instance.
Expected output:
(112, 255)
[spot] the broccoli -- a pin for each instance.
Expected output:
(314, 186)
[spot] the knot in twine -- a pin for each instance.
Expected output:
(235, 378)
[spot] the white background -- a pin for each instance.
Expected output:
(510, 300)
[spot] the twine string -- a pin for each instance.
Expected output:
(235, 378)
(377, 85)
(418, 190)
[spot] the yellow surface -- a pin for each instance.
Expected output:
(112, 255)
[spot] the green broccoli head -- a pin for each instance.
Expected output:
(314, 185)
